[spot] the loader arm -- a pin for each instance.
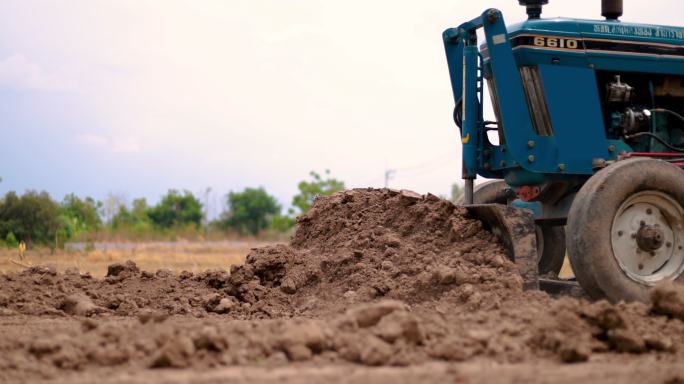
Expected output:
(514, 227)
(465, 72)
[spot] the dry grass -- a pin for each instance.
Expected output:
(177, 256)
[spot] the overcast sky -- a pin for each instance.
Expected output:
(136, 97)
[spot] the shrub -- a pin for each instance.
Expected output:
(11, 240)
(250, 211)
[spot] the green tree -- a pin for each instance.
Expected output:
(317, 186)
(176, 209)
(33, 217)
(456, 191)
(11, 240)
(250, 211)
(83, 211)
(282, 223)
(77, 216)
(134, 220)
(133, 217)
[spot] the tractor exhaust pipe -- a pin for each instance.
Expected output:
(534, 7)
(611, 9)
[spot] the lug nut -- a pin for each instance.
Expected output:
(668, 244)
(620, 233)
(649, 211)
(641, 266)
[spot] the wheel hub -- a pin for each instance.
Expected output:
(650, 238)
(647, 237)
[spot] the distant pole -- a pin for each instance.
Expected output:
(389, 175)
(206, 209)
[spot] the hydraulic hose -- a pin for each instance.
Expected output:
(673, 113)
(657, 138)
(458, 118)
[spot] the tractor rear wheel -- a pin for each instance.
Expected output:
(550, 239)
(626, 230)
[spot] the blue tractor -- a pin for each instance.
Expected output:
(587, 147)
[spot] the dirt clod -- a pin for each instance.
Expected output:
(174, 353)
(370, 314)
(400, 325)
(117, 269)
(668, 300)
(374, 351)
(150, 315)
(79, 305)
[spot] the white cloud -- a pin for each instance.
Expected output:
(92, 139)
(127, 144)
(19, 73)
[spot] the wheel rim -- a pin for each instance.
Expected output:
(647, 237)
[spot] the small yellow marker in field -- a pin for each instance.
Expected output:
(22, 249)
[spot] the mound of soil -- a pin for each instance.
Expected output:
(363, 245)
(375, 277)
(352, 247)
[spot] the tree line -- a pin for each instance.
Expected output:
(36, 218)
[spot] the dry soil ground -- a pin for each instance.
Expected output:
(375, 286)
(177, 256)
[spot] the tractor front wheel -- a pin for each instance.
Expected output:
(626, 230)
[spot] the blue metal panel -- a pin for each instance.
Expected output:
(625, 63)
(600, 61)
(568, 74)
(535, 206)
(575, 109)
(569, 84)
(470, 135)
(454, 43)
(524, 56)
(454, 54)
(603, 29)
(541, 156)
(627, 31)
(546, 212)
